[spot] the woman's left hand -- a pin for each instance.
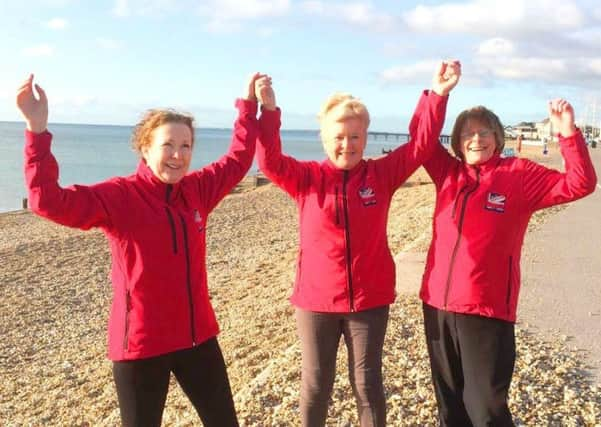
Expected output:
(446, 76)
(249, 89)
(561, 114)
(34, 110)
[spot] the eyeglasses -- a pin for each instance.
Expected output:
(484, 133)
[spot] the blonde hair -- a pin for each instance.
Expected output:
(152, 119)
(342, 106)
(481, 115)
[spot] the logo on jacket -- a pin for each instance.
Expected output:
(495, 202)
(198, 220)
(368, 196)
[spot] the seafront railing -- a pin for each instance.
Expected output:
(444, 139)
(401, 137)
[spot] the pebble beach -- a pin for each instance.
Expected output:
(55, 297)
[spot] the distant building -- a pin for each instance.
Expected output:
(510, 132)
(537, 131)
(544, 129)
(527, 130)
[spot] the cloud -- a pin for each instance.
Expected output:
(108, 44)
(126, 8)
(361, 14)
(595, 66)
(491, 17)
(416, 73)
(565, 71)
(228, 15)
(121, 8)
(56, 3)
(496, 46)
(497, 62)
(39, 50)
(266, 33)
(57, 24)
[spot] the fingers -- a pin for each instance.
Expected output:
(262, 86)
(446, 76)
(263, 81)
(440, 69)
(559, 106)
(255, 77)
(561, 114)
(250, 90)
(452, 69)
(27, 85)
(42, 94)
(264, 92)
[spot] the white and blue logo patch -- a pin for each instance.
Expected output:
(495, 202)
(368, 196)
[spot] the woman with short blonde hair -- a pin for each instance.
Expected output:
(345, 272)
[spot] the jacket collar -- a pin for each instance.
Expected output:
(165, 192)
(330, 167)
(487, 166)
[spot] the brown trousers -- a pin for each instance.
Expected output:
(363, 334)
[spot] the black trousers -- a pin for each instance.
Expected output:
(142, 386)
(472, 359)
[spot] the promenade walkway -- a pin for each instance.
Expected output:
(561, 276)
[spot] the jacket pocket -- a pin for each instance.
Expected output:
(127, 312)
(508, 295)
(299, 263)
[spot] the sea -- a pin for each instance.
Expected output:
(87, 154)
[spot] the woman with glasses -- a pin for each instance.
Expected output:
(472, 279)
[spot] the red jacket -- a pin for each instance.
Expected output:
(344, 263)
(480, 219)
(156, 233)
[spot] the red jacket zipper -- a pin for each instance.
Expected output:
(188, 279)
(347, 234)
(459, 228)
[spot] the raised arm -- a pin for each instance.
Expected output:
(426, 123)
(75, 206)
(285, 171)
(216, 180)
(545, 187)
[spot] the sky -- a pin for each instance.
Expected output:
(105, 62)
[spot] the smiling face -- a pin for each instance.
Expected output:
(477, 142)
(169, 152)
(344, 141)
(477, 135)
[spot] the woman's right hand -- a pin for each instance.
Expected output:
(446, 76)
(561, 114)
(35, 111)
(265, 93)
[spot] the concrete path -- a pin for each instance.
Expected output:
(561, 276)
